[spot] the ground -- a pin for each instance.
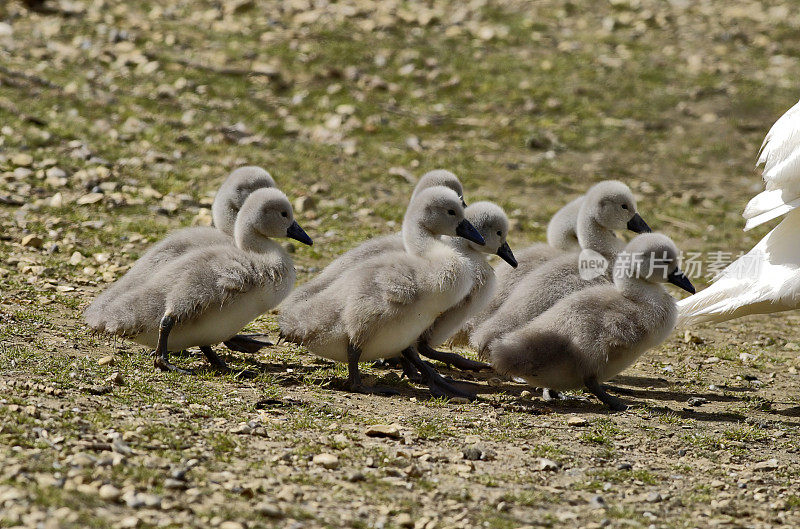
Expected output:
(119, 121)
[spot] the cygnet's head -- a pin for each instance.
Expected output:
(267, 213)
(234, 191)
(439, 211)
(612, 205)
(492, 223)
(440, 177)
(652, 257)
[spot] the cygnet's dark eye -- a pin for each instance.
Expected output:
(499, 233)
(284, 214)
(624, 206)
(451, 212)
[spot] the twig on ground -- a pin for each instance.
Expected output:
(222, 70)
(35, 79)
(11, 108)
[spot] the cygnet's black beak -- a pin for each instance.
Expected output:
(680, 280)
(296, 232)
(463, 204)
(507, 255)
(467, 230)
(638, 225)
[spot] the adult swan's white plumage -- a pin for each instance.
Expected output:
(780, 155)
(767, 278)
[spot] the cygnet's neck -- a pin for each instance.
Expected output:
(249, 240)
(224, 211)
(633, 287)
(416, 238)
(464, 246)
(225, 221)
(593, 236)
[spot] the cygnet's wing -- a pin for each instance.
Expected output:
(211, 277)
(156, 257)
(379, 289)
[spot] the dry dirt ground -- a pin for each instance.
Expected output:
(118, 120)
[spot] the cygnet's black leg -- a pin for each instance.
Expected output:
(451, 359)
(409, 371)
(245, 343)
(609, 400)
(213, 358)
(162, 353)
(436, 383)
(550, 395)
(397, 362)
(354, 375)
(220, 365)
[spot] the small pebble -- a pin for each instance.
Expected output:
(304, 204)
(106, 361)
(547, 465)
(690, 337)
(355, 477)
(116, 379)
(32, 241)
(577, 421)
(404, 520)
(151, 500)
(472, 453)
(130, 522)
(383, 430)
(325, 460)
(269, 510)
(597, 501)
(109, 493)
(654, 497)
(769, 464)
(175, 484)
(22, 159)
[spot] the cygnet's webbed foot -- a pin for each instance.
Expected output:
(411, 372)
(399, 362)
(354, 383)
(165, 365)
(162, 353)
(246, 343)
(451, 359)
(437, 384)
(606, 398)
